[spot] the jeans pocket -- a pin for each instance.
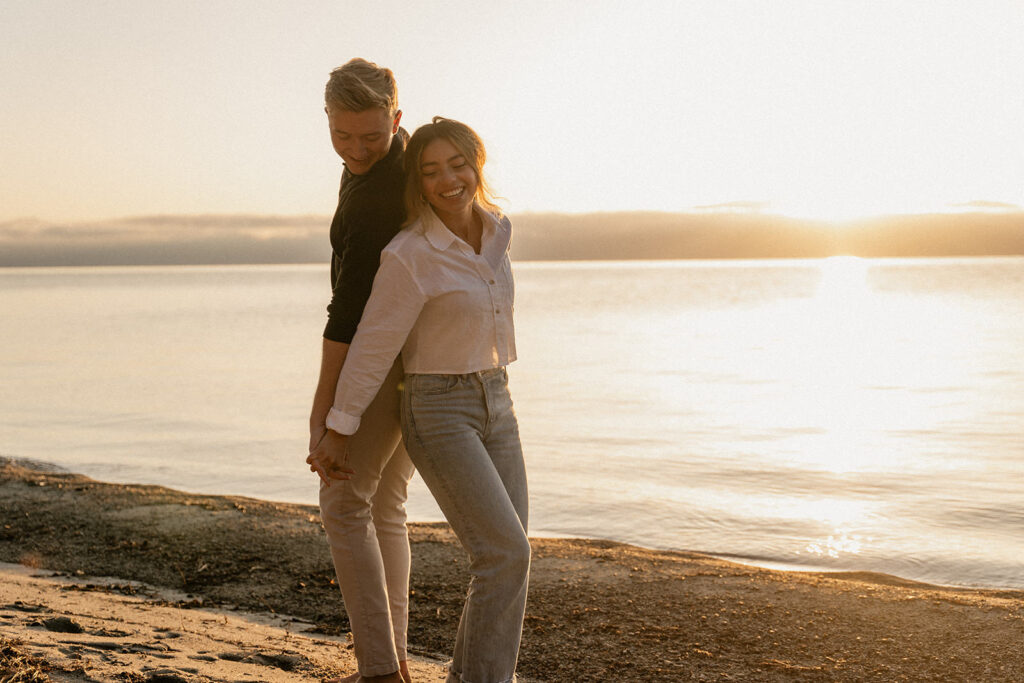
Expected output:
(431, 385)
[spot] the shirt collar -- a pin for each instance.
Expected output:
(437, 234)
(440, 237)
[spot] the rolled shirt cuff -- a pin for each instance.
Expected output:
(342, 423)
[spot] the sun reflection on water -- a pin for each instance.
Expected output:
(835, 546)
(810, 411)
(843, 279)
(845, 356)
(842, 516)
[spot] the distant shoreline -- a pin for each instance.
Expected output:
(251, 239)
(770, 260)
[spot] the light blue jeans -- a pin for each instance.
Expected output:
(461, 433)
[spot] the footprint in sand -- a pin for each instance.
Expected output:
(62, 625)
(20, 606)
(166, 676)
(286, 661)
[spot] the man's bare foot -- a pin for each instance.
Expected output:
(351, 678)
(388, 678)
(357, 678)
(400, 676)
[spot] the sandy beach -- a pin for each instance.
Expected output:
(109, 582)
(72, 627)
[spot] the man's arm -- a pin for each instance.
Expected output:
(368, 229)
(331, 361)
(357, 263)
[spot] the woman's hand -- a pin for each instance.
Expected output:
(329, 456)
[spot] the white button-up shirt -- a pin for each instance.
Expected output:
(447, 309)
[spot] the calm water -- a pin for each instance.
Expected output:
(845, 414)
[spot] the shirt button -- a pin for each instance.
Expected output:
(497, 310)
(490, 282)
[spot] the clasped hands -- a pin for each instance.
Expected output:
(329, 456)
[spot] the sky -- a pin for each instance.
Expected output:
(823, 108)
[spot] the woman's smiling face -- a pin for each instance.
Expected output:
(447, 180)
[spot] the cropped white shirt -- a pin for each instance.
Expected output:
(447, 309)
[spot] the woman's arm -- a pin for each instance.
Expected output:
(391, 312)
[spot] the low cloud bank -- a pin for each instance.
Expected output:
(756, 235)
(167, 240)
(217, 239)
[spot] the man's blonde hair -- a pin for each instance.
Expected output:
(359, 85)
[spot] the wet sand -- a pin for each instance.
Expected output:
(212, 588)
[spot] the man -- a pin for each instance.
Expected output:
(363, 508)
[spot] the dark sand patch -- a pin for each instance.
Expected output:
(597, 611)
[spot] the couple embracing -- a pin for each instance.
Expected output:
(412, 375)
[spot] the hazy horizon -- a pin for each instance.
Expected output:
(716, 233)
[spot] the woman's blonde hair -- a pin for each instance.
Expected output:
(469, 145)
(359, 85)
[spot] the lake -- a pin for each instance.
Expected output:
(841, 414)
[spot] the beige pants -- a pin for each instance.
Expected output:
(364, 518)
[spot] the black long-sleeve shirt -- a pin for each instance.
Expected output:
(370, 212)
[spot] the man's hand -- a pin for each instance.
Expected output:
(315, 434)
(329, 457)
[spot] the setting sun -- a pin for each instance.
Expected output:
(822, 110)
(721, 382)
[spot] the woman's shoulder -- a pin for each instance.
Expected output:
(495, 216)
(502, 223)
(409, 240)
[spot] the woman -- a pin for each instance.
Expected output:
(443, 298)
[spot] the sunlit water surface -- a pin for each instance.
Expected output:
(841, 414)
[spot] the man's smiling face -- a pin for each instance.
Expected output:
(362, 138)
